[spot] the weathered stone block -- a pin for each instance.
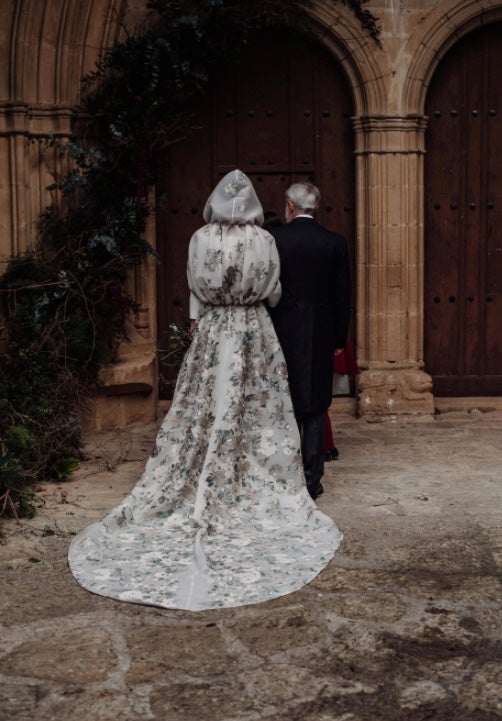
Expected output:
(394, 391)
(133, 375)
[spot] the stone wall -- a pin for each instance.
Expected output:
(46, 46)
(390, 86)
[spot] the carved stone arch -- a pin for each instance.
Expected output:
(462, 215)
(45, 48)
(388, 264)
(53, 43)
(314, 68)
(357, 53)
(444, 27)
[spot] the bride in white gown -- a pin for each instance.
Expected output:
(221, 516)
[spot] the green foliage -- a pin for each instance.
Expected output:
(365, 17)
(140, 93)
(65, 304)
(65, 307)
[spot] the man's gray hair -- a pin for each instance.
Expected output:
(304, 196)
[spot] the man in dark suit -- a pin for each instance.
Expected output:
(312, 317)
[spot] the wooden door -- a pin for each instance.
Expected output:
(281, 115)
(463, 218)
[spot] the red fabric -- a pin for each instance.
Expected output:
(345, 362)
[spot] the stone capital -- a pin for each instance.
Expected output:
(36, 119)
(379, 134)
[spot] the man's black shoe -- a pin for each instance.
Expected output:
(332, 455)
(315, 492)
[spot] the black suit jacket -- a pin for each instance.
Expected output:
(312, 317)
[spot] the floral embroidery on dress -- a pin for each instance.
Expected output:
(221, 515)
(238, 182)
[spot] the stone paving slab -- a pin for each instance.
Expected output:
(403, 625)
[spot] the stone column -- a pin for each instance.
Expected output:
(389, 170)
(26, 169)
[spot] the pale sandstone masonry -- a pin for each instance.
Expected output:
(45, 49)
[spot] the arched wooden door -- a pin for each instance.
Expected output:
(281, 115)
(463, 218)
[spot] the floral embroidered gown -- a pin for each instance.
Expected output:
(221, 516)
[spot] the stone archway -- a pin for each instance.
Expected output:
(444, 28)
(388, 86)
(463, 187)
(390, 149)
(46, 47)
(282, 114)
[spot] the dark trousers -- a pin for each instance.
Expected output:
(311, 426)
